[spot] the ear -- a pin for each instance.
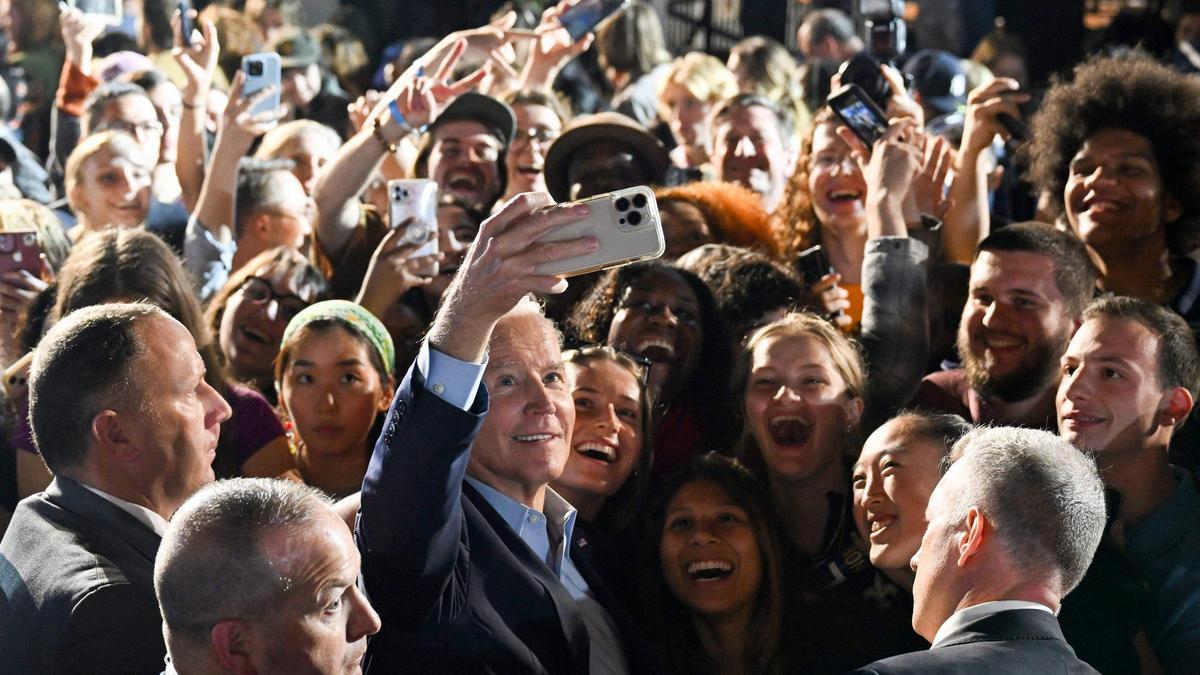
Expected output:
(1172, 209)
(77, 200)
(385, 394)
(262, 225)
(231, 640)
(109, 434)
(853, 408)
(1179, 406)
(971, 541)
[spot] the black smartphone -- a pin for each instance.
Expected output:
(856, 110)
(583, 16)
(1017, 130)
(813, 264)
(185, 22)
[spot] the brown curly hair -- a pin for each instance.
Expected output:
(794, 223)
(1128, 92)
(734, 213)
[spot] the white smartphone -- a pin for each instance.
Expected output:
(415, 200)
(108, 11)
(261, 71)
(626, 223)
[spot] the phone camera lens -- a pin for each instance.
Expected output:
(639, 201)
(255, 68)
(635, 218)
(622, 204)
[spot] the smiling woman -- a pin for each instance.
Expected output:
(718, 596)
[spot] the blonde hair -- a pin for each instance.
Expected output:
(703, 75)
(119, 143)
(274, 140)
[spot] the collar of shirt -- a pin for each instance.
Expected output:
(967, 615)
(144, 515)
(543, 532)
(1155, 534)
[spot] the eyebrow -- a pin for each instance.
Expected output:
(304, 363)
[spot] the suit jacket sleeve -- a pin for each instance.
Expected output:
(411, 529)
(895, 333)
(114, 628)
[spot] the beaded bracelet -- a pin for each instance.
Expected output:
(377, 131)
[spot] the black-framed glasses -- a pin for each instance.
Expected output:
(543, 135)
(151, 128)
(260, 291)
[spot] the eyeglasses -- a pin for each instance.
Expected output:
(543, 135)
(260, 292)
(154, 128)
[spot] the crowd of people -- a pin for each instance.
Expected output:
(921, 405)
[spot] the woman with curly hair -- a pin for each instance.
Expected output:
(668, 316)
(1117, 154)
(695, 214)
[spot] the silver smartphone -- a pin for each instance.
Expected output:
(415, 201)
(626, 223)
(261, 71)
(110, 12)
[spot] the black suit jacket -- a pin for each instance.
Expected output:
(1022, 641)
(77, 575)
(456, 588)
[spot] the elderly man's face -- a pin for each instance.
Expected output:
(604, 167)
(749, 149)
(938, 588)
(465, 161)
(525, 438)
(178, 423)
(322, 624)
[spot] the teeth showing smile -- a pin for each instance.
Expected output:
(881, 522)
(709, 570)
(789, 430)
(844, 195)
(597, 451)
(656, 349)
(534, 438)
(1001, 343)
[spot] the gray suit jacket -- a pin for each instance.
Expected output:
(77, 583)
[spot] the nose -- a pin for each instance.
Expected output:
(991, 314)
(873, 493)
(744, 148)
(328, 400)
(218, 409)
(537, 401)
(607, 419)
(786, 392)
(1099, 174)
(364, 620)
(702, 535)
(663, 314)
(1074, 385)
(271, 309)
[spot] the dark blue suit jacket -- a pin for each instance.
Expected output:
(456, 588)
(1015, 641)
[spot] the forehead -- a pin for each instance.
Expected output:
(1114, 141)
(747, 119)
(524, 340)
(699, 493)
(465, 131)
(1015, 269)
(330, 345)
(308, 143)
(130, 107)
(115, 155)
(532, 114)
(313, 555)
(169, 345)
(604, 375)
(825, 138)
(797, 351)
(1110, 337)
(662, 282)
(896, 436)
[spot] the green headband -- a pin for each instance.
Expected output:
(353, 314)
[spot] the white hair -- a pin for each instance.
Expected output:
(1043, 496)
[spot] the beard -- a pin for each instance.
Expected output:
(1036, 371)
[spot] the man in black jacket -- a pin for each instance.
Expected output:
(1013, 525)
(123, 417)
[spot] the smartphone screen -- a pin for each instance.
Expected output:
(859, 113)
(586, 14)
(185, 22)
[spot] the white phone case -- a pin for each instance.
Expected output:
(626, 223)
(262, 70)
(415, 198)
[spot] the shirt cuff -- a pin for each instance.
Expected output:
(455, 382)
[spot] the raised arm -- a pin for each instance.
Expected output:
(410, 527)
(198, 62)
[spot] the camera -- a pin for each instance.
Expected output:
(883, 29)
(254, 68)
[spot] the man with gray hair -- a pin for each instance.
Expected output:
(123, 417)
(828, 34)
(1013, 526)
(288, 569)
